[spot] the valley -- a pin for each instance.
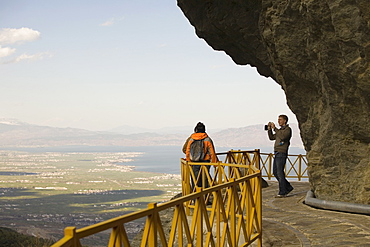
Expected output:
(42, 193)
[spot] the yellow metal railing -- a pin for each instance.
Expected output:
(236, 165)
(296, 166)
(227, 213)
(242, 202)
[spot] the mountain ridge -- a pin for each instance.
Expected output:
(20, 134)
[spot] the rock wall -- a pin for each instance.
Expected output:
(318, 51)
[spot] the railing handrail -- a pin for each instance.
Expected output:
(288, 154)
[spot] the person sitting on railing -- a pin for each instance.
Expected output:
(282, 141)
(206, 154)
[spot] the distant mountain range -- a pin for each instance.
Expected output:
(128, 130)
(14, 133)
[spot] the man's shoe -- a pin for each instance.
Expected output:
(290, 190)
(280, 196)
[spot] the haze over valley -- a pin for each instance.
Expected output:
(14, 133)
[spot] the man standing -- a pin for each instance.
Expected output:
(282, 141)
(200, 148)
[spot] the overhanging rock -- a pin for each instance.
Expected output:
(318, 51)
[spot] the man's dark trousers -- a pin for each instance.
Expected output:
(278, 170)
(196, 169)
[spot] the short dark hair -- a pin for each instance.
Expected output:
(285, 117)
(200, 128)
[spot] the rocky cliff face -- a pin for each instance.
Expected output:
(319, 52)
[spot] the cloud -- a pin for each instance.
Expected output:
(23, 57)
(107, 23)
(6, 51)
(111, 21)
(19, 35)
(13, 35)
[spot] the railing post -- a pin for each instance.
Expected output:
(229, 161)
(199, 218)
(271, 156)
(258, 160)
(186, 187)
(259, 208)
(204, 176)
(218, 200)
(232, 213)
(152, 240)
(299, 167)
(219, 173)
(70, 231)
(182, 176)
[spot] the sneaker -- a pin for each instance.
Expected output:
(280, 196)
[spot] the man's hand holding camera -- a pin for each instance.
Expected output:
(270, 126)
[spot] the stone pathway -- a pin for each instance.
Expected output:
(289, 222)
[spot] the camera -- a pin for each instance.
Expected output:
(266, 127)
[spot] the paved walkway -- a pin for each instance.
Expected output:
(289, 222)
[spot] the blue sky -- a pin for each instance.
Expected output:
(98, 65)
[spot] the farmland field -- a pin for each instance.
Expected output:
(42, 193)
